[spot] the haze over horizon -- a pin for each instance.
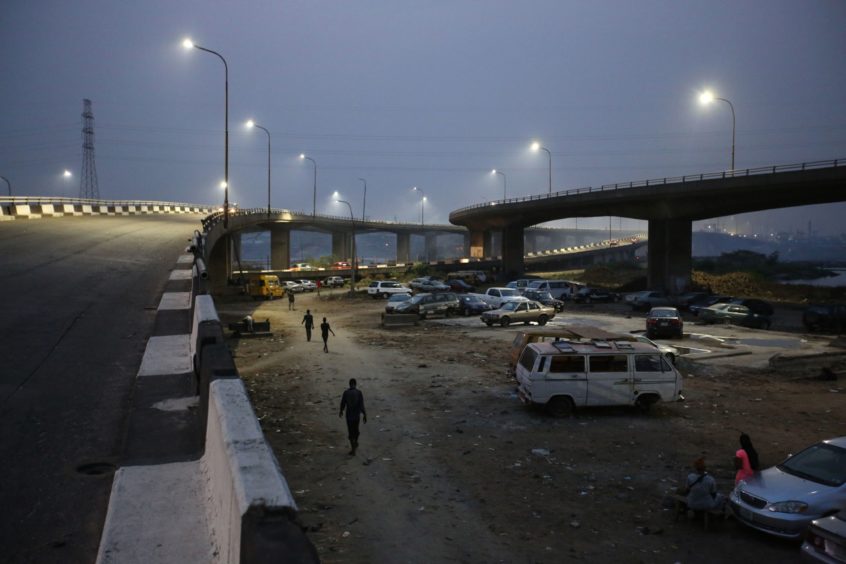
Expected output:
(427, 94)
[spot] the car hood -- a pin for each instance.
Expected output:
(775, 485)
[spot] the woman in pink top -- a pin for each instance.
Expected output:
(745, 459)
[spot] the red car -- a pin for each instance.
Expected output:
(664, 321)
(459, 286)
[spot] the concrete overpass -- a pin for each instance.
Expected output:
(670, 205)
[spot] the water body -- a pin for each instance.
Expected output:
(839, 279)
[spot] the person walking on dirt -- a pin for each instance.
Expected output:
(353, 401)
(308, 321)
(324, 332)
(291, 301)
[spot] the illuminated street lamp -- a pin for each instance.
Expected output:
(352, 222)
(251, 124)
(314, 197)
(188, 44)
(502, 174)
(9, 184)
(706, 98)
(67, 174)
(422, 201)
(536, 146)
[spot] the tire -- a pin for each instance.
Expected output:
(489, 323)
(644, 403)
(560, 406)
(505, 321)
(542, 320)
(448, 313)
(385, 296)
(422, 315)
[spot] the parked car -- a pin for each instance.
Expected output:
(670, 353)
(469, 304)
(292, 286)
(425, 305)
(560, 289)
(417, 282)
(395, 300)
(664, 321)
(697, 305)
(521, 285)
(459, 286)
(526, 311)
(433, 285)
(825, 318)
(784, 499)
(308, 285)
(646, 300)
(384, 288)
(333, 282)
(755, 306)
(684, 300)
(825, 539)
(543, 297)
(735, 314)
(469, 276)
(591, 295)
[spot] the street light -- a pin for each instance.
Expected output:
(706, 98)
(536, 146)
(314, 197)
(422, 201)
(251, 124)
(364, 202)
(499, 172)
(188, 44)
(9, 184)
(352, 222)
(67, 173)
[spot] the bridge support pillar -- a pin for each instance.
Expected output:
(341, 245)
(403, 247)
(530, 243)
(431, 242)
(280, 247)
(466, 250)
(512, 252)
(476, 240)
(219, 265)
(670, 248)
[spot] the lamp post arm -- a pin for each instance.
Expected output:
(733, 128)
(364, 202)
(9, 184)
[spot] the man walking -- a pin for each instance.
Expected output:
(290, 300)
(324, 332)
(308, 321)
(353, 401)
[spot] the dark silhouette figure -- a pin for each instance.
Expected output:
(308, 321)
(353, 401)
(291, 300)
(324, 332)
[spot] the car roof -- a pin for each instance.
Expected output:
(593, 347)
(838, 442)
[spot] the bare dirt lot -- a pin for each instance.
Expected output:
(453, 468)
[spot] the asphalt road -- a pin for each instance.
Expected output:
(78, 298)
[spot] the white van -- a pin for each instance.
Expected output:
(563, 375)
(560, 289)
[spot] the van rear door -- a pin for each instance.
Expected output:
(609, 380)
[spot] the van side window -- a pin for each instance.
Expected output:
(567, 363)
(527, 359)
(609, 363)
(649, 363)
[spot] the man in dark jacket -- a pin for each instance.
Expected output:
(308, 321)
(353, 402)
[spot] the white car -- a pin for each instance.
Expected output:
(385, 288)
(292, 286)
(308, 285)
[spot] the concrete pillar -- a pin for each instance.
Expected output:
(530, 242)
(466, 252)
(218, 266)
(403, 247)
(280, 246)
(670, 248)
(431, 242)
(477, 241)
(342, 245)
(512, 252)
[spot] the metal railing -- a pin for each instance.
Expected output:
(739, 173)
(217, 216)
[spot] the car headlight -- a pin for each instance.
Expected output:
(788, 507)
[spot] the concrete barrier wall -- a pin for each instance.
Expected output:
(37, 211)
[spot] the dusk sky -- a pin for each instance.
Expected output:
(432, 94)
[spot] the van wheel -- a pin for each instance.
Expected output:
(505, 321)
(644, 403)
(489, 323)
(385, 296)
(542, 320)
(560, 406)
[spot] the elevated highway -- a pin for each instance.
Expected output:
(670, 205)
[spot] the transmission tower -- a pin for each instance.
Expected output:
(88, 180)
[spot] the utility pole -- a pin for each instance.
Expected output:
(88, 179)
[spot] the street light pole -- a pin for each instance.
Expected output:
(537, 147)
(9, 184)
(706, 98)
(251, 124)
(504, 182)
(188, 44)
(314, 194)
(422, 200)
(364, 202)
(352, 222)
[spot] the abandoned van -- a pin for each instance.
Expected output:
(563, 375)
(265, 286)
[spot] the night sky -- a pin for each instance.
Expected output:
(432, 94)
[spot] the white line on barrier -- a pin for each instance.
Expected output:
(185, 274)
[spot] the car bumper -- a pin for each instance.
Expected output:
(784, 525)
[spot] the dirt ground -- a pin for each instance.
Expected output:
(453, 468)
